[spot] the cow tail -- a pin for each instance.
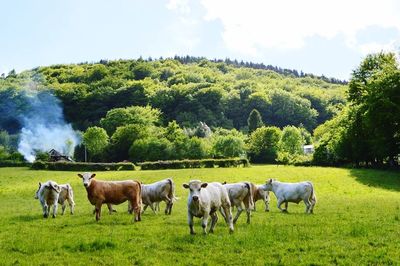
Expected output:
(171, 193)
(312, 195)
(139, 200)
(250, 195)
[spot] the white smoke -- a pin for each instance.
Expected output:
(44, 127)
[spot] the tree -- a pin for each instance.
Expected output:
(254, 121)
(95, 140)
(291, 140)
(228, 146)
(130, 115)
(150, 149)
(263, 144)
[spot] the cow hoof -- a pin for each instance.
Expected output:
(192, 233)
(54, 216)
(45, 216)
(230, 231)
(285, 211)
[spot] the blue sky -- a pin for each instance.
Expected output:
(316, 36)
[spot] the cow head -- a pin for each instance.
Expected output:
(37, 191)
(268, 185)
(195, 187)
(87, 178)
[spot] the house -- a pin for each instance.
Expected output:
(308, 149)
(55, 156)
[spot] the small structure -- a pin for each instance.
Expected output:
(308, 149)
(56, 156)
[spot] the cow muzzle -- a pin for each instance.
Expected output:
(195, 198)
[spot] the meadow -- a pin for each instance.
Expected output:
(356, 222)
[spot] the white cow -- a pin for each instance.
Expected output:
(48, 194)
(292, 192)
(204, 200)
(153, 194)
(66, 194)
(260, 194)
(241, 193)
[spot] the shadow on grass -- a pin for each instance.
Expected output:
(29, 218)
(385, 179)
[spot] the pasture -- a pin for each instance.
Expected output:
(356, 221)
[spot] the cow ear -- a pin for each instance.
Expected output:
(40, 184)
(203, 185)
(224, 183)
(81, 176)
(57, 188)
(185, 185)
(92, 176)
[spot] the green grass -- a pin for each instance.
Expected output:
(356, 222)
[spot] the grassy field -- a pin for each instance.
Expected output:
(356, 222)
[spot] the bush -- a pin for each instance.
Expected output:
(80, 166)
(205, 163)
(12, 163)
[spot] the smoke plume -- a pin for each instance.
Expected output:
(44, 127)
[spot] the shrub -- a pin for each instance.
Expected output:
(205, 163)
(80, 166)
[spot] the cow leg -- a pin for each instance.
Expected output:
(286, 206)
(152, 208)
(239, 211)
(45, 212)
(71, 205)
(98, 210)
(144, 208)
(308, 205)
(280, 201)
(221, 210)
(110, 208)
(228, 218)
(248, 211)
(214, 219)
(204, 222)
(63, 206)
(266, 202)
(190, 222)
(55, 206)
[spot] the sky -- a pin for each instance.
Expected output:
(316, 36)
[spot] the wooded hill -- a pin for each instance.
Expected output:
(185, 89)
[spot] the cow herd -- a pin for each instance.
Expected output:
(204, 200)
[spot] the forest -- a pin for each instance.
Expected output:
(193, 108)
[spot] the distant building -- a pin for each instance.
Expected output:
(308, 149)
(55, 156)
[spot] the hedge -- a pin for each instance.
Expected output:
(80, 166)
(204, 163)
(10, 163)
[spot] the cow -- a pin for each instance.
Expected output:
(154, 193)
(66, 194)
(204, 200)
(260, 194)
(112, 192)
(48, 194)
(292, 192)
(241, 193)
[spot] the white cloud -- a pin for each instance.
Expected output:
(181, 6)
(286, 24)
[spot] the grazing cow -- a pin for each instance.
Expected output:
(112, 192)
(260, 194)
(163, 190)
(292, 192)
(48, 194)
(66, 194)
(241, 193)
(204, 200)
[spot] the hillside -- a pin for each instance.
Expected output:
(219, 93)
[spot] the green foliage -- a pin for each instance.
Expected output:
(150, 149)
(203, 163)
(197, 148)
(42, 156)
(228, 144)
(142, 70)
(291, 140)
(80, 166)
(263, 144)
(254, 121)
(130, 115)
(95, 140)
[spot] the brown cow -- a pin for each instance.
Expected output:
(260, 194)
(112, 192)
